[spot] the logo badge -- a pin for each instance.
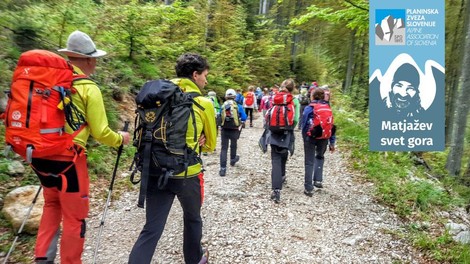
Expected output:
(150, 117)
(16, 115)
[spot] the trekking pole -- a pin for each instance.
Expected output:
(126, 126)
(22, 225)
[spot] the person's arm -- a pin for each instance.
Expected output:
(332, 141)
(306, 116)
(97, 120)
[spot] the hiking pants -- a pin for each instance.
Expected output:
(314, 151)
(190, 193)
(278, 162)
(249, 112)
(66, 201)
(227, 135)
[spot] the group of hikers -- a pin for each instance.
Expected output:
(65, 180)
(311, 103)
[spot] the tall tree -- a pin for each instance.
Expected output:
(454, 158)
(453, 59)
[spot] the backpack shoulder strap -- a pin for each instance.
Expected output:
(82, 77)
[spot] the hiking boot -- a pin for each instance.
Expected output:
(318, 184)
(222, 171)
(235, 160)
(276, 196)
(251, 125)
(205, 257)
(308, 193)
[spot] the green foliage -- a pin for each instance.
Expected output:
(441, 248)
(147, 70)
(354, 17)
(426, 196)
(457, 185)
(99, 158)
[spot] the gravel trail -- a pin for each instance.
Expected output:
(341, 223)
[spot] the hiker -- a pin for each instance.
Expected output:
(304, 100)
(265, 103)
(315, 148)
(282, 141)
(191, 71)
(232, 118)
(71, 206)
(250, 103)
(326, 89)
(312, 87)
(259, 95)
(215, 101)
(213, 97)
(239, 99)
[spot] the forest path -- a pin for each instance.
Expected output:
(341, 223)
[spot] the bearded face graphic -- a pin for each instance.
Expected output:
(404, 94)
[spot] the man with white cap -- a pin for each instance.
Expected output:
(67, 200)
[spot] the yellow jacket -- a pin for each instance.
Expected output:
(205, 123)
(89, 101)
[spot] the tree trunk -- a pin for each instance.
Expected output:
(263, 7)
(454, 159)
(295, 41)
(295, 38)
(349, 70)
(453, 73)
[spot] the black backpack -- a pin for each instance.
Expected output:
(162, 115)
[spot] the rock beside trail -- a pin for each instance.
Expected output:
(17, 204)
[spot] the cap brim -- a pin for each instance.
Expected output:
(69, 53)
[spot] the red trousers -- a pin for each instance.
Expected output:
(65, 200)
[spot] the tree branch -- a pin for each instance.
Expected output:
(355, 5)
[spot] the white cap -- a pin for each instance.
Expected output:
(211, 93)
(230, 93)
(80, 45)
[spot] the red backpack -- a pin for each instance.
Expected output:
(280, 117)
(39, 104)
(250, 99)
(322, 123)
